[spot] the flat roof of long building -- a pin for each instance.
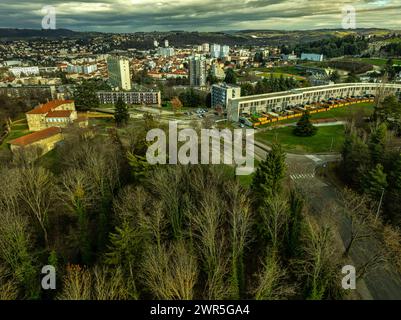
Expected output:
(299, 91)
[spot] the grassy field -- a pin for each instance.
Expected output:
(18, 129)
(327, 139)
(375, 61)
(276, 72)
(343, 113)
(337, 114)
(279, 74)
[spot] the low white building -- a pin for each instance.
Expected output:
(166, 52)
(26, 71)
(312, 57)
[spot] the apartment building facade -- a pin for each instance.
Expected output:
(119, 72)
(131, 97)
(197, 71)
(279, 101)
(222, 93)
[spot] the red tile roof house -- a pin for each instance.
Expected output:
(56, 113)
(45, 140)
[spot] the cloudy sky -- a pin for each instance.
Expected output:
(201, 15)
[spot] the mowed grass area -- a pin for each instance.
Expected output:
(327, 139)
(279, 74)
(337, 114)
(374, 61)
(342, 113)
(18, 129)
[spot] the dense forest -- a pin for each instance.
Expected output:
(268, 85)
(372, 160)
(332, 47)
(115, 227)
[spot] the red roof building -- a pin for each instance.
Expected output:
(32, 138)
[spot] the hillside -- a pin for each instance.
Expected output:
(182, 38)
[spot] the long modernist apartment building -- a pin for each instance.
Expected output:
(279, 101)
(151, 97)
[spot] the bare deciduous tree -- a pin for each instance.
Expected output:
(16, 250)
(170, 273)
(38, 193)
(272, 280)
(108, 284)
(317, 267)
(239, 215)
(275, 215)
(8, 286)
(356, 210)
(210, 243)
(76, 284)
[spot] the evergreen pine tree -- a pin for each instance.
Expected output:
(139, 166)
(355, 156)
(270, 173)
(377, 143)
(296, 206)
(121, 114)
(392, 201)
(231, 78)
(374, 182)
(304, 126)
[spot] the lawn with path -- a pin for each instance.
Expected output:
(327, 139)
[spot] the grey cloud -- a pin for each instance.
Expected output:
(145, 15)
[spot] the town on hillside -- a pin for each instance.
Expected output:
(195, 159)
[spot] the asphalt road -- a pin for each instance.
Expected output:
(381, 283)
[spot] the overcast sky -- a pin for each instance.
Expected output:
(200, 15)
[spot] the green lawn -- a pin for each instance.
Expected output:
(375, 61)
(345, 112)
(18, 129)
(106, 122)
(336, 114)
(327, 139)
(279, 74)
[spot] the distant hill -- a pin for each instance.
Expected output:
(8, 33)
(144, 40)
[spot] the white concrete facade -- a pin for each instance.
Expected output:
(27, 71)
(221, 93)
(279, 101)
